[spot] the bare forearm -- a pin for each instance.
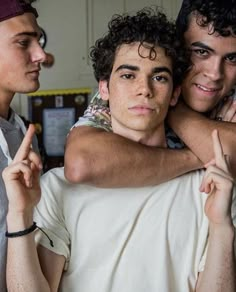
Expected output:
(195, 130)
(109, 160)
(219, 273)
(23, 267)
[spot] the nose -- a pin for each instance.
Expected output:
(38, 54)
(145, 88)
(214, 70)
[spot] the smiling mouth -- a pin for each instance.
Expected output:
(207, 89)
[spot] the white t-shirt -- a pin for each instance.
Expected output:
(128, 239)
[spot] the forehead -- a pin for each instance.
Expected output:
(134, 53)
(18, 24)
(196, 33)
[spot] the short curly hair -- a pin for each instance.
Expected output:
(148, 26)
(220, 13)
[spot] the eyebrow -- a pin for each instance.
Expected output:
(136, 68)
(27, 33)
(202, 45)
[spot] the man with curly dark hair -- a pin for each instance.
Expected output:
(104, 52)
(208, 29)
(153, 238)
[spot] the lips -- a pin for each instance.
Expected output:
(35, 71)
(141, 109)
(34, 74)
(141, 106)
(207, 89)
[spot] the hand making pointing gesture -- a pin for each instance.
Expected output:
(218, 182)
(21, 177)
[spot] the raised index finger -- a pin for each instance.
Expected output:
(218, 151)
(25, 146)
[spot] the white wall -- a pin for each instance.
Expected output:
(72, 26)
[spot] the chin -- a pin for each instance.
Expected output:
(32, 88)
(200, 107)
(203, 108)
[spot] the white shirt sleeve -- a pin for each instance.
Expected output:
(49, 216)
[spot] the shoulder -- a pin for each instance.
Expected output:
(54, 178)
(53, 182)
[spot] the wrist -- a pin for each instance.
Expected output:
(21, 232)
(19, 221)
(226, 230)
(193, 160)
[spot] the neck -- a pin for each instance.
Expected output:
(155, 137)
(5, 102)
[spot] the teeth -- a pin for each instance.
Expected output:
(205, 89)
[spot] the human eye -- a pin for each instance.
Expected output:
(200, 52)
(24, 43)
(127, 76)
(231, 59)
(160, 78)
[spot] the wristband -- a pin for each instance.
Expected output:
(27, 231)
(22, 232)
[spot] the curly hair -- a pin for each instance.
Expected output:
(220, 13)
(150, 28)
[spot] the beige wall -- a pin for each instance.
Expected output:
(72, 26)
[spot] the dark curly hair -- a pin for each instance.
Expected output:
(148, 26)
(220, 13)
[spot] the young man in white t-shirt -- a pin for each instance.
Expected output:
(207, 28)
(171, 237)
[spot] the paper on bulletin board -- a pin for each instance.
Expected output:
(56, 125)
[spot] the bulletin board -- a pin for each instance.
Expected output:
(53, 112)
(56, 125)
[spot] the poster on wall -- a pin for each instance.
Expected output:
(57, 124)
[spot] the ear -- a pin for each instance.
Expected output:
(103, 89)
(175, 96)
